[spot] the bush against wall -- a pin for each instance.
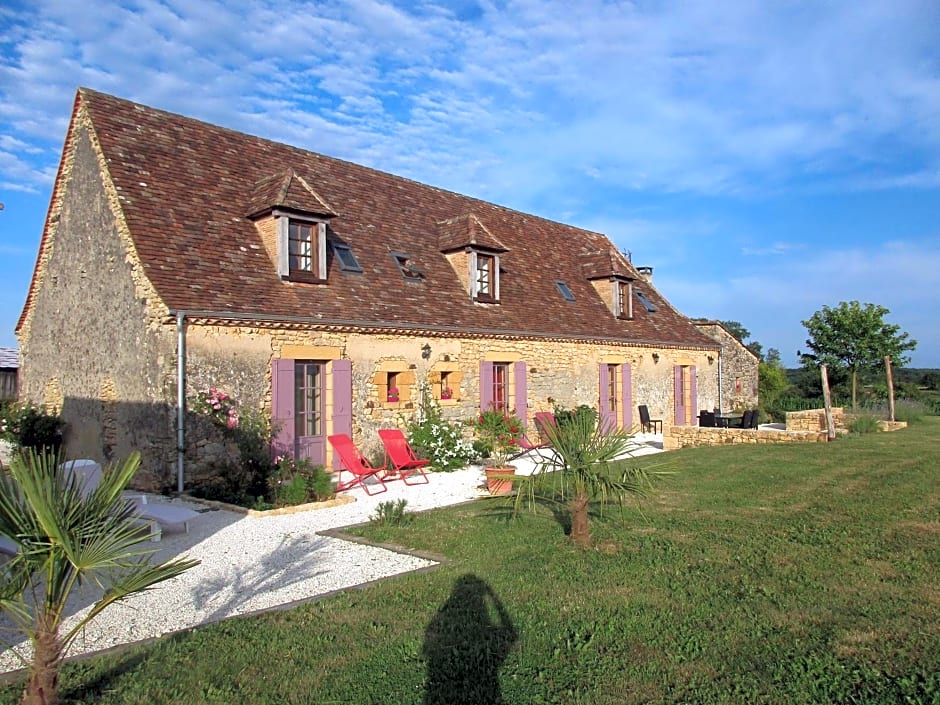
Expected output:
(434, 437)
(29, 426)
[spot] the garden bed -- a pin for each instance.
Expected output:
(337, 501)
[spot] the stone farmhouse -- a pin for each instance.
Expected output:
(177, 255)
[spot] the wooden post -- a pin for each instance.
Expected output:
(827, 400)
(890, 387)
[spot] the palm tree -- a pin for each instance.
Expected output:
(68, 536)
(586, 462)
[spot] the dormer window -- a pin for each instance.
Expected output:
(623, 301)
(485, 276)
(347, 260)
(409, 270)
(301, 250)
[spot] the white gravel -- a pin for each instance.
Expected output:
(255, 563)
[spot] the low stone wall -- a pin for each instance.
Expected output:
(815, 419)
(676, 437)
(892, 425)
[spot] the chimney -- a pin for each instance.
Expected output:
(646, 273)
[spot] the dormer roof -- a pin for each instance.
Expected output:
(467, 231)
(606, 263)
(286, 191)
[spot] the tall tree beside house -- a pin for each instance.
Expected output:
(67, 536)
(854, 337)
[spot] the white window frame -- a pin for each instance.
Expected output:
(283, 244)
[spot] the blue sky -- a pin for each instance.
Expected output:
(766, 158)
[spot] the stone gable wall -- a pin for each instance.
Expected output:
(739, 374)
(90, 348)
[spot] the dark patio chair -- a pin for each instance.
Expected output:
(706, 419)
(647, 424)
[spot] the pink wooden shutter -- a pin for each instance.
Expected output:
(486, 385)
(693, 389)
(342, 401)
(627, 396)
(282, 406)
(607, 419)
(522, 391)
(677, 393)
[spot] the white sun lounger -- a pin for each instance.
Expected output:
(162, 516)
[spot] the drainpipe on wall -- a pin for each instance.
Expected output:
(180, 395)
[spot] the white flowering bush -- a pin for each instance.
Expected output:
(439, 440)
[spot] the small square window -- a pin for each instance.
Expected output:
(565, 291)
(407, 267)
(650, 307)
(347, 260)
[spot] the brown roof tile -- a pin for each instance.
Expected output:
(186, 188)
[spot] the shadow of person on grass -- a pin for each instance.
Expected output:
(465, 645)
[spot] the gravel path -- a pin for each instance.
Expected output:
(256, 563)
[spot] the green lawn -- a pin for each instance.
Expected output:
(756, 574)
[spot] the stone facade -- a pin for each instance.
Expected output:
(739, 369)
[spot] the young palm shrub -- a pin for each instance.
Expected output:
(588, 463)
(67, 537)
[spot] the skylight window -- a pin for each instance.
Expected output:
(408, 268)
(564, 290)
(347, 260)
(650, 307)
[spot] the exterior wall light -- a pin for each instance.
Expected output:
(655, 357)
(426, 351)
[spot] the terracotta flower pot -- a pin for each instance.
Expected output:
(498, 479)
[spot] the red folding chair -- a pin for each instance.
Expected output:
(402, 456)
(355, 463)
(542, 419)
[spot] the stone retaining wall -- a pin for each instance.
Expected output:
(676, 437)
(815, 419)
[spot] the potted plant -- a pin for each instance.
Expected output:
(392, 394)
(447, 393)
(499, 432)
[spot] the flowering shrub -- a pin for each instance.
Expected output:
(217, 405)
(392, 394)
(434, 437)
(499, 432)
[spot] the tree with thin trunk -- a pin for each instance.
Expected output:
(68, 535)
(583, 463)
(854, 337)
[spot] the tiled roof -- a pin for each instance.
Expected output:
(9, 358)
(187, 187)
